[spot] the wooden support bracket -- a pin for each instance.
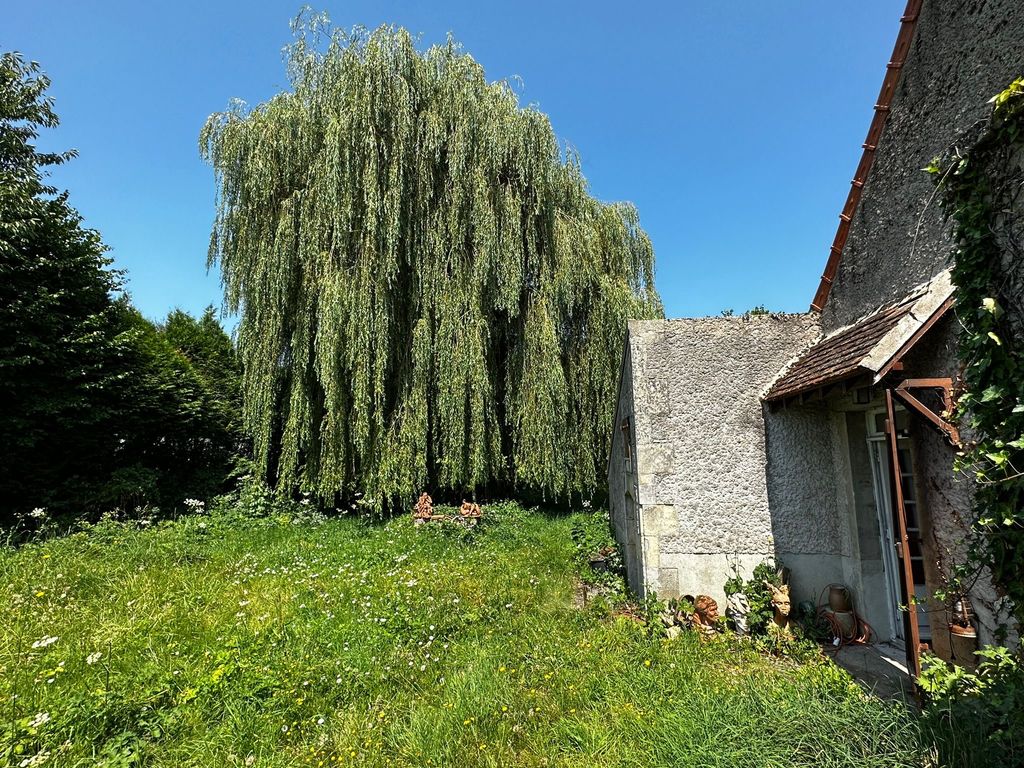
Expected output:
(946, 387)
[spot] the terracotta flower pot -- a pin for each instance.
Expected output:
(956, 629)
(963, 643)
(839, 599)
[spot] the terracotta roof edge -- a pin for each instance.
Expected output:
(901, 49)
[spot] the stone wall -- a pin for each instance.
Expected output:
(693, 396)
(964, 52)
(622, 481)
(805, 474)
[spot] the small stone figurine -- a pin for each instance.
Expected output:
(781, 604)
(736, 609)
(424, 509)
(705, 614)
(470, 510)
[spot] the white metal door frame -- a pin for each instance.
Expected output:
(878, 450)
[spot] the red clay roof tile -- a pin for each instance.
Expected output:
(839, 356)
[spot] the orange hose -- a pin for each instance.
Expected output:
(863, 632)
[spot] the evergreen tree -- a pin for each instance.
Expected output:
(57, 321)
(177, 426)
(428, 294)
(210, 352)
(101, 408)
(217, 431)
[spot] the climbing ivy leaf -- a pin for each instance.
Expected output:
(992, 393)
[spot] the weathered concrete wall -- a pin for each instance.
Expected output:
(802, 481)
(804, 488)
(700, 448)
(964, 52)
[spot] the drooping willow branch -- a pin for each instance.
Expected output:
(428, 294)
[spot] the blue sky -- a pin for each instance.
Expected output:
(734, 127)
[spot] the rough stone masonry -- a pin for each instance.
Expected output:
(687, 473)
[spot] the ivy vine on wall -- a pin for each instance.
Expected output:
(983, 193)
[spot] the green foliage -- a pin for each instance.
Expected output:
(248, 494)
(101, 408)
(977, 717)
(596, 554)
(759, 597)
(734, 584)
(297, 640)
(211, 354)
(981, 185)
(756, 311)
(57, 322)
(800, 643)
(177, 422)
(428, 294)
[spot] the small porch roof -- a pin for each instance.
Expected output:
(871, 345)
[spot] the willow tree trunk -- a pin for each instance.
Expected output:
(429, 297)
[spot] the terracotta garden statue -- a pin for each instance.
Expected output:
(469, 510)
(736, 609)
(705, 614)
(424, 509)
(781, 604)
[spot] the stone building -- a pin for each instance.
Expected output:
(767, 436)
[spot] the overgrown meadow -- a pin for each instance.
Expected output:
(290, 639)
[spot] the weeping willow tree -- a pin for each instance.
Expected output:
(428, 295)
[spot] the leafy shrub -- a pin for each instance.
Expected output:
(976, 718)
(596, 552)
(799, 644)
(249, 496)
(759, 597)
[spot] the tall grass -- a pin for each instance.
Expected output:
(223, 641)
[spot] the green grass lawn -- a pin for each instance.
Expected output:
(223, 641)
